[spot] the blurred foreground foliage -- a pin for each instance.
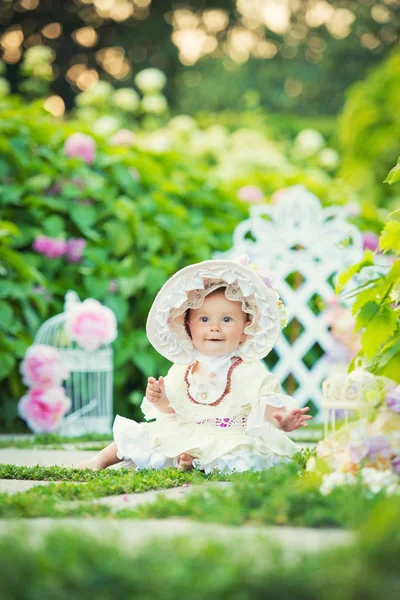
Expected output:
(68, 562)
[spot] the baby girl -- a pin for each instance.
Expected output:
(218, 407)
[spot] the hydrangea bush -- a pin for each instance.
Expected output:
(110, 222)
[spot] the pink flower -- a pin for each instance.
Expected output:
(278, 195)
(75, 248)
(49, 247)
(123, 137)
(42, 366)
(43, 410)
(393, 398)
(352, 209)
(79, 144)
(90, 324)
(342, 324)
(370, 240)
(250, 194)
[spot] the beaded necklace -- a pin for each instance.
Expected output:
(226, 391)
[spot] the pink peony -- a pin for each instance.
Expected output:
(43, 410)
(49, 247)
(90, 324)
(42, 366)
(75, 248)
(370, 240)
(79, 144)
(250, 194)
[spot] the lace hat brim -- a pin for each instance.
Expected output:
(187, 289)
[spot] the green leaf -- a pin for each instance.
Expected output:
(390, 237)
(347, 274)
(37, 183)
(123, 177)
(367, 312)
(393, 175)
(96, 287)
(7, 362)
(120, 237)
(368, 295)
(118, 305)
(17, 262)
(378, 330)
(8, 229)
(54, 226)
(391, 368)
(6, 315)
(84, 216)
(395, 293)
(145, 362)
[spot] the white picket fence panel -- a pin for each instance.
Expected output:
(302, 246)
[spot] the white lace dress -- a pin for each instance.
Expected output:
(231, 435)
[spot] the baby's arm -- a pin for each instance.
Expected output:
(287, 420)
(155, 393)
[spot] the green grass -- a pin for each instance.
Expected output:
(279, 496)
(285, 495)
(55, 499)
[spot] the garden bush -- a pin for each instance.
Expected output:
(141, 215)
(369, 132)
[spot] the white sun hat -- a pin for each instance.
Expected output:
(188, 288)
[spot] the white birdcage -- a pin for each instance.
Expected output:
(353, 394)
(90, 381)
(302, 246)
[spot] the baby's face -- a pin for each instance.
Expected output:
(217, 327)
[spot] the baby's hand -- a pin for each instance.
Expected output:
(293, 419)
(155, 390)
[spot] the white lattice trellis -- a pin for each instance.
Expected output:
(303, 246)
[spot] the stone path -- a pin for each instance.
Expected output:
(132, 533)
(43, 458)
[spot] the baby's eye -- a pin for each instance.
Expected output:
(227, 319)
(203, 319)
